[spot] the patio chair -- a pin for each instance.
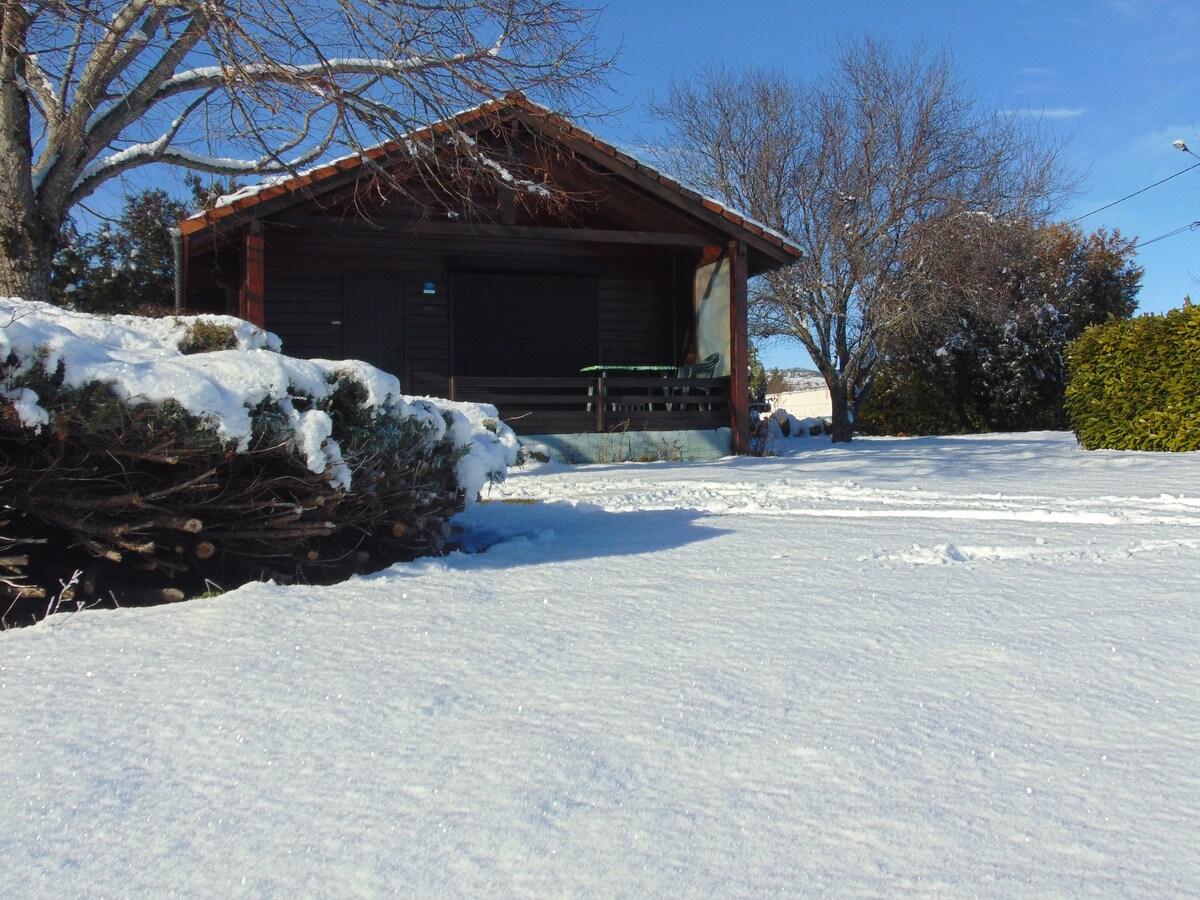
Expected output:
(705, 368)
(702, 369)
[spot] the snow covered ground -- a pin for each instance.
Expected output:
(956, 666)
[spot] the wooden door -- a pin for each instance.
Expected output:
(427, 327)
(306, 313)
(373, 320)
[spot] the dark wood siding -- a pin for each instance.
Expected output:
(498, 307)
(306, 313)
(524, 324)
(636, 320)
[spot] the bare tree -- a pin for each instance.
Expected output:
(90, 90)
(864, 170)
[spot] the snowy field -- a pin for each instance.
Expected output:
(957, 666)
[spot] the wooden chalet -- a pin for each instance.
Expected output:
(571, 300)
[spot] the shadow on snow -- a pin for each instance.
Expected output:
(511, 534)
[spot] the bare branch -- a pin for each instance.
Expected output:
(92, 89)
(859, 169)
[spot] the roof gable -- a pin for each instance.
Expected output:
(259, 201)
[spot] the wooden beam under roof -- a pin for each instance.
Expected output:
(664, 188)
(384, 225)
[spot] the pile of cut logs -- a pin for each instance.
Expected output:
(148, 516)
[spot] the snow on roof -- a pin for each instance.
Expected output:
(250, 196)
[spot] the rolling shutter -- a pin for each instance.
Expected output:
(520, 324)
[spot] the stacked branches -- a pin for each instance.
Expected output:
(14, 560)
(151, 502)
(150, 505)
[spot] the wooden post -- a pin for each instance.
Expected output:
(251, 301)
(599, 402)
(181, 273)
(739, 349)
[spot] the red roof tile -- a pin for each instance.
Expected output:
(253, 196)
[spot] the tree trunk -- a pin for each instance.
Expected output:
(843, 428)
(27, 239)
(26, 251)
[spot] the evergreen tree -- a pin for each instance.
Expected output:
(126, 266)
(758, 377)
(207, 190)
(1002, 367)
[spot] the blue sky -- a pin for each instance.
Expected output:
(1120, 79)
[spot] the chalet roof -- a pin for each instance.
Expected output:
(252, 202)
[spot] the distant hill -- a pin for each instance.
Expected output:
(801, 379)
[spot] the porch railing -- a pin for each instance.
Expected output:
(574, 405)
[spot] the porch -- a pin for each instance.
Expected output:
(473, 291)
(601, 404)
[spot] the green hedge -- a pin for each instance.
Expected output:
(1135, 385)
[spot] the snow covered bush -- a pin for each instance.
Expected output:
(153, 469)
(1135, 385)
(767, 433)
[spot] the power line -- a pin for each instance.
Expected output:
(1162, 237)
(1134, 194)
